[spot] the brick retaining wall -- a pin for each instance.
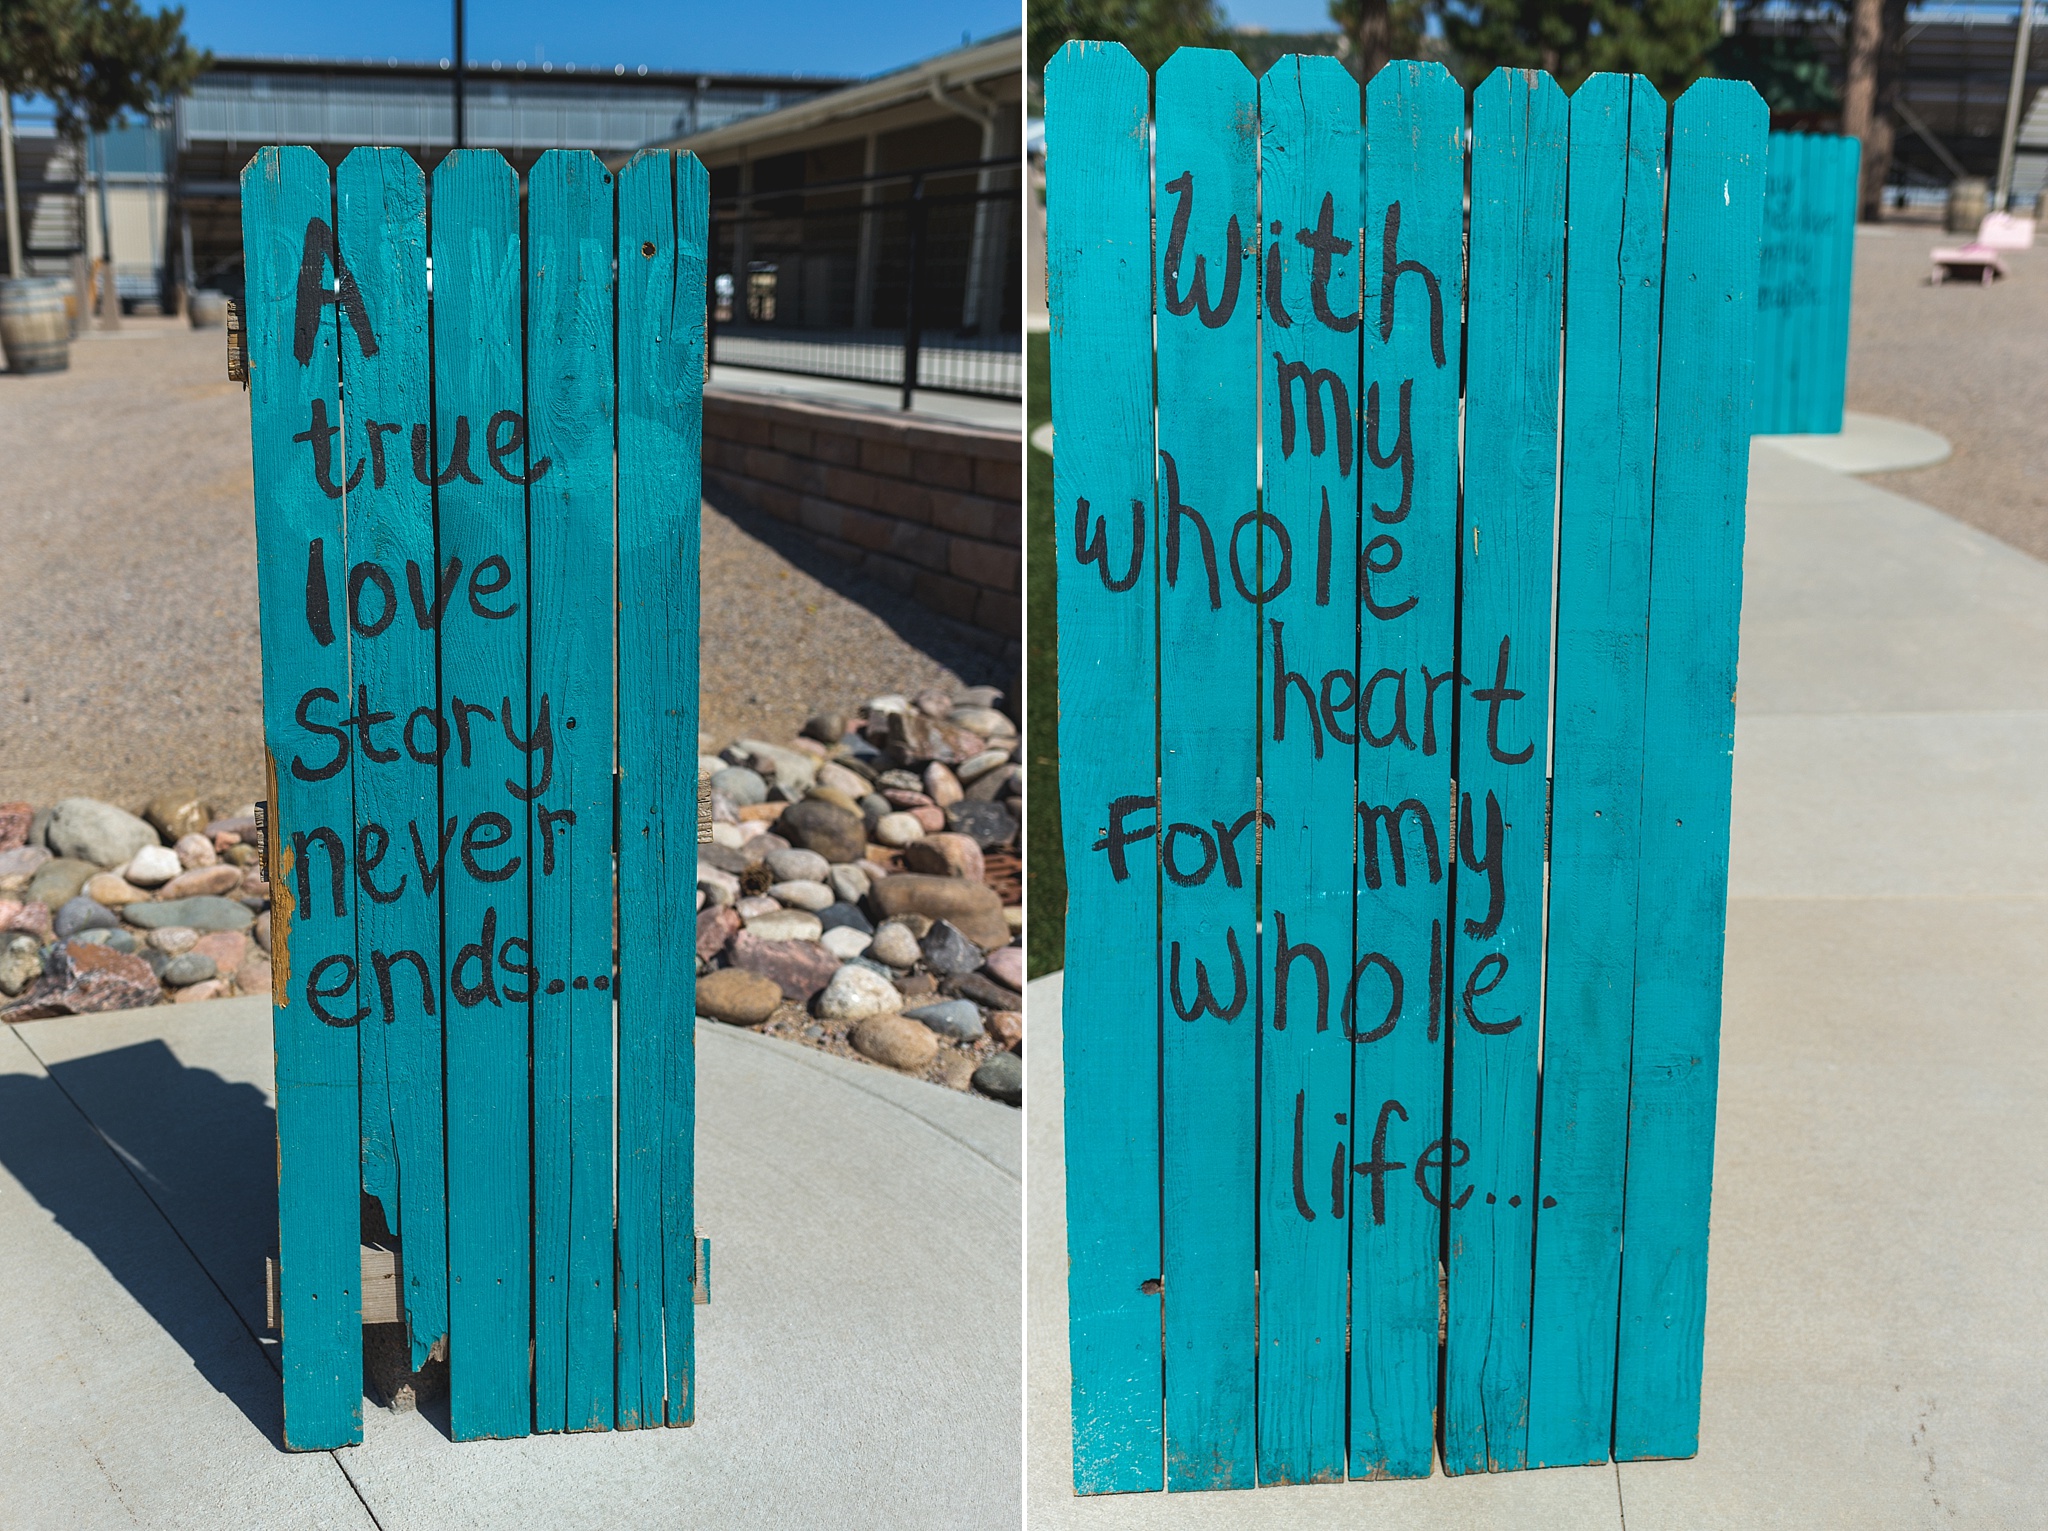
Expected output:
(931, 510)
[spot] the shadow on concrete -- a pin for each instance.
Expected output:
(203, 1151)
(975, 656)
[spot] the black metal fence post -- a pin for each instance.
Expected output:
(911, 329)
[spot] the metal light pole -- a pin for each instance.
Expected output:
(461, 138)
(2014, 99)
(8, 184)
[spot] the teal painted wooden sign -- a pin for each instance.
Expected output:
(1398, 585)
(477, 521)
(1803, 290)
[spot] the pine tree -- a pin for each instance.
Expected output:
(1151, 29)
(1667, 40)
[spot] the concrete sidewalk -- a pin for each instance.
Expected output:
(1875, 1331)
(857, 1367)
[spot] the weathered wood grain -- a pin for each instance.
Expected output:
(381, 206)
(1098, 269)
(1506, 550)
(478, 378)
(1613, 294)
(1206, 188)
(569, 383)
(1310, 148)
(294, 406)
(662, 223)
(1710, 273)
(1413, 260)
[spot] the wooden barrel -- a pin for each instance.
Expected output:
(34, 330)
(1969, 199)
(207, 309)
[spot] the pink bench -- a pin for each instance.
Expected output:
(1971, 261)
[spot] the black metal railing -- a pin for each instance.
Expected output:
(911, 280)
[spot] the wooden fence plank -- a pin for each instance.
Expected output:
(569, 383)
(1519, 141)
(1713, 231)
(287, 234)
(1310, 147)
(1613, 294)
(1413, 260)
(677, 675)
(381, 206)
(1208, 286)
(483, 851)
(1099, 266)
(662, 222)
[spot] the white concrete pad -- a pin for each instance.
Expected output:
(131, 1395)
(858, 1366)
(1858, 600)
(1866, 444)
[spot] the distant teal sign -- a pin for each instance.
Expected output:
(1809, 259)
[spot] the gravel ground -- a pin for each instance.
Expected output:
(1965, 361)
(129, 654)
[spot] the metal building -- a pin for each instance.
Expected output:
(174, 198)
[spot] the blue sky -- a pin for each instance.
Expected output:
(837, 37)
(1280, 15)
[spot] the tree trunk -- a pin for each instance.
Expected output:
(1372, 38)
(1891, 77)
(1859, 98)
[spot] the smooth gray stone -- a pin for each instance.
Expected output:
(947, 951)
(82, 913)
(835, 915)
(986, 824)
(1002, 1078)
(56, 882)
(190, 968)
(959, 1019)
(88, 830)
(798, 866)
(743, 786)
(116, 940)
(203, 913)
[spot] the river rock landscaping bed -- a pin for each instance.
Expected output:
(102, 909)
(860, 893)
(861, 889)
